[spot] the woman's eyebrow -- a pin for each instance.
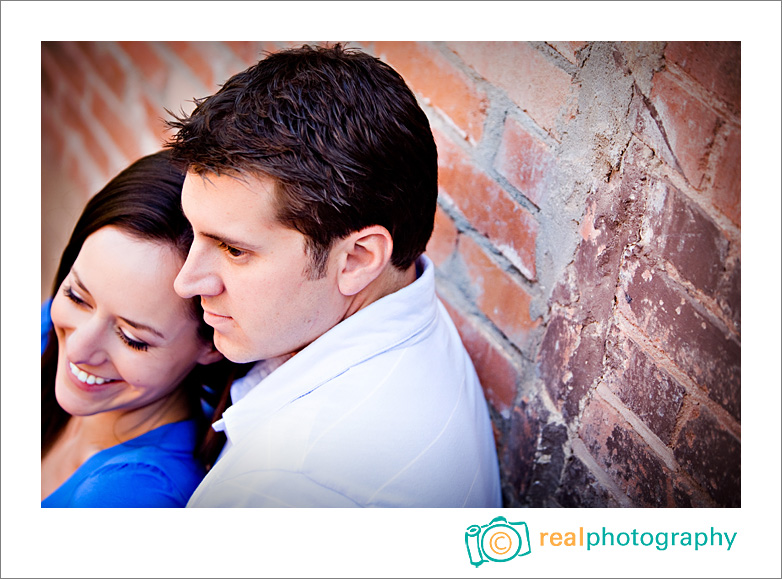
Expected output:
(140, 326)
(131, 323)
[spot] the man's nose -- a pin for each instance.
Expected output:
(198, 276)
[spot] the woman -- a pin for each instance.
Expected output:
(127, 361)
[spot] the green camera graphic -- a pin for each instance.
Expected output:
(498, 541)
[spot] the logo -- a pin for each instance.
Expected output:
(498, 541)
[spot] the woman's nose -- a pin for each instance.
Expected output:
(198, 276)
(86, 343)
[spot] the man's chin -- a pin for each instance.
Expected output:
(232, 351)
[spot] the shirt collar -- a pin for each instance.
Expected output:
(379, 327)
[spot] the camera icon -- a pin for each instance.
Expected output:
(498, 541)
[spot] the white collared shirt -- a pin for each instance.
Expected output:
(383, 410)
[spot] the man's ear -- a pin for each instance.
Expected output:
(363, 256)
(209, 355)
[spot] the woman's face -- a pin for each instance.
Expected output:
(126, 339)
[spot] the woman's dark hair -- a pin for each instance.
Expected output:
(341, 135)
(144, 201)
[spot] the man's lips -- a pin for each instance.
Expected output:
(212, 319)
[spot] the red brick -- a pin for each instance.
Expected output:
(105, 65)
(147, 61)
(68, 72)
(524, 161)
(504, 301)
(443, 241)
(568, 49)
(155, 119)
(195, 61)
(688, 239)
(712, 456)
(495, 370)
(676, 325)
(647, 390)
(71, 116)
(689, 124)
(533, 82)
(715, 65)
(112, 121)
(442, 85)
(726, 188)
(623, 454)
(511, 228)
(249, 52)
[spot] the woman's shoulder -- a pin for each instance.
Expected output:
(156, 469)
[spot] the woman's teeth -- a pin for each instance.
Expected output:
(87, 378)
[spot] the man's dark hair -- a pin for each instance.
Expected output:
(341, 135)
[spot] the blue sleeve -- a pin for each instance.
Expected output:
(46, 322)
(128, 486)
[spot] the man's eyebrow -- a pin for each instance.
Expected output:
(137, 325)
(229, 241)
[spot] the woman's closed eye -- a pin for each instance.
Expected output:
(131, 341)
(74, 297)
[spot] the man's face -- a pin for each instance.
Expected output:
(251, 272)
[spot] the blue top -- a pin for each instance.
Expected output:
(156, 469)
(46, 322)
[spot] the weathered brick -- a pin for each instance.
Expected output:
(688, 496)
(690, 126)
(580, 488)
(568, 49)
(625, 456)
(524, 161)
(610, 223)
(512, 229)
(712, 456)
(534, 83)
(715, 65)
(647, 390)
(105, 65)
(685, 236)
(443, 241)
(498, 376)
(517, 458)
(440, 83)
(668, 316)
(725, 192)
(729, 295)
(548, 467)
(504, 301)
(570, 358)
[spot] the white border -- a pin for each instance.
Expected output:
(245, 543)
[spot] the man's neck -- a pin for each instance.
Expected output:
(390, 281)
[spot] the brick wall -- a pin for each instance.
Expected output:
(587, 240)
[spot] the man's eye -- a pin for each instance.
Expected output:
(231, 250)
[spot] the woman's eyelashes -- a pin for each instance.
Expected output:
(74, 297)
(135, 344)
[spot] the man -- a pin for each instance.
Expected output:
(311, 188)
